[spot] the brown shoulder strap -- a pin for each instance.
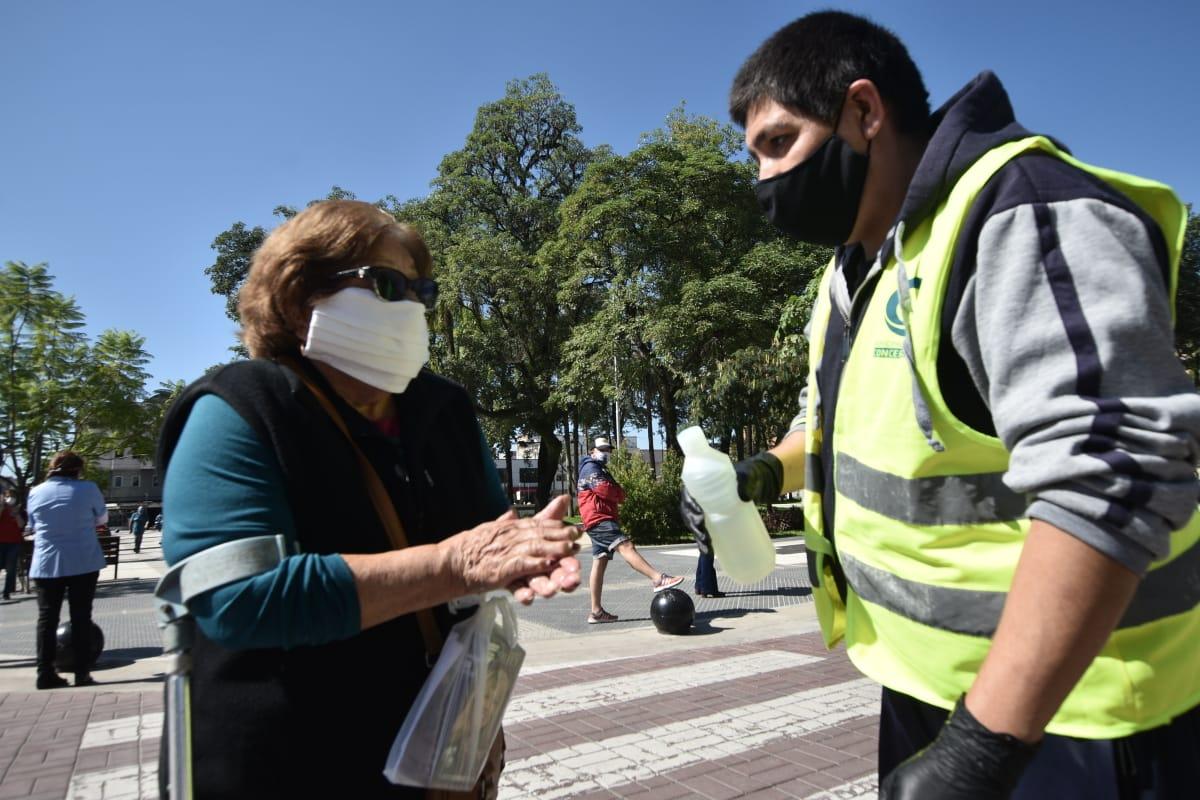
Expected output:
(381, 500)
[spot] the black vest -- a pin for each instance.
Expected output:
(315, 720)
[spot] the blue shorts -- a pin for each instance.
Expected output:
(606, 537)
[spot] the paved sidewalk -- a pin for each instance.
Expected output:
(749, 705)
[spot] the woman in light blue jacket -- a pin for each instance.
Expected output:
(64, 512)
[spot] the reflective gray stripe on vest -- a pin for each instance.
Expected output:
(941, 500)
(968, 611)
(1164, 592)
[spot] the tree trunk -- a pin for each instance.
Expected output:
(548, 452)
(565, 458)
(508, 466)
(723, 445)
(670, 414)
(448, 330)
(739, 445)
(573, 449)
(650, 427)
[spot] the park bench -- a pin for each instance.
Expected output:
(110, 545)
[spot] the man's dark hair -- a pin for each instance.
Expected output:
(809, 64)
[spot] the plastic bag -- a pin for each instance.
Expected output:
(448, 733)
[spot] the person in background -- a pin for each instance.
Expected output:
(11, 525)
(599, 499)
(64, 511)
(137, 525)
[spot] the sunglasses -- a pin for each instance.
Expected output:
(392, 285)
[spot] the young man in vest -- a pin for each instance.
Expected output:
(600, 498)
(997, 443)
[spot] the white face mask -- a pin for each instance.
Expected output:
(381, 344)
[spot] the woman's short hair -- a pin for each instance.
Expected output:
(65, 464)
(293, 266)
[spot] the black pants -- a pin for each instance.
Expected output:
(706, 574)
(1158, 764)
(80, 591)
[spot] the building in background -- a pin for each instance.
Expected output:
(129, 481)
(522, 488)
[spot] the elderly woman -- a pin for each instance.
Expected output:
(304, 674)
(64, 512)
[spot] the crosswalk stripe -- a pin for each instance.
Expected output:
(653, 751)
(866, 788)
(615, 690)
(781, 559)
(122, 783)
(538, 670)
(122, 730)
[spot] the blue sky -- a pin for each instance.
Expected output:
(135, 132)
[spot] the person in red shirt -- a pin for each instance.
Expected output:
(11, 525)
(600, 496)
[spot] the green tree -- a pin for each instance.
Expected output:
(748, 399)
(650, 513)
(676, 272)
(493, 207)
(1187, 300)
(59, 391)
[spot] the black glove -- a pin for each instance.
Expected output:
(760, 478)
(693, 519)
(965, 762)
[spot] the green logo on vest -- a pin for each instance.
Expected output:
(892, 318)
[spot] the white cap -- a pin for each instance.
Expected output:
(601, 443)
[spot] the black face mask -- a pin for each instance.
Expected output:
(817, 200)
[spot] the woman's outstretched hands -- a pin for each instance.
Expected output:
(530, 557)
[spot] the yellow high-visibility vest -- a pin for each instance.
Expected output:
(926, 532)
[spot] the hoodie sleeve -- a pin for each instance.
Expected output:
(1066, 330)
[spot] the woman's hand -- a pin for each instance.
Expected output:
(530, 557)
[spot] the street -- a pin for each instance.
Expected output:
(750, 704)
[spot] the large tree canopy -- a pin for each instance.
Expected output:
(493, 207)
(679, 277)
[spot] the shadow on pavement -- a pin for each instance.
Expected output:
(112, 659)
(148, 679)
(124, 586)
(778, 591)
(18, 663)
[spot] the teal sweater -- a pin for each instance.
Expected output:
(224, 484)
